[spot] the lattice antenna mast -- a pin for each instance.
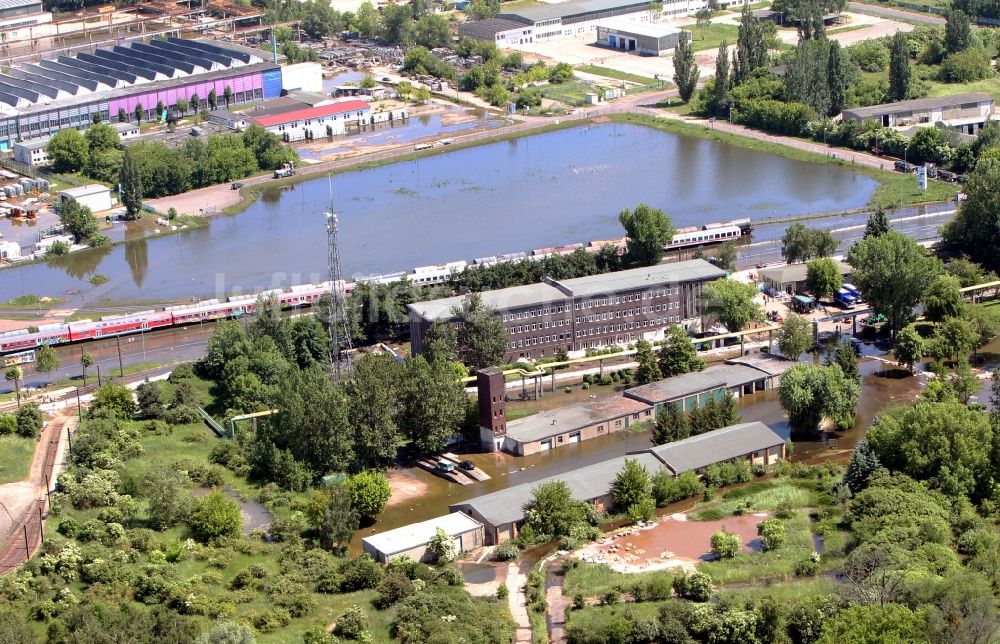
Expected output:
(337, 323)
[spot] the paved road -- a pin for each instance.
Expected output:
(897, 14)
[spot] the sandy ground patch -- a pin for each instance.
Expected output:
(405, 487)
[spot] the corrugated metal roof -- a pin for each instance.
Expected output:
(718, 446)
(311, 113)
(794, 272)
(418, 534)
(17, 4)
(566, 419)
(586, 483)
(573, 8)
(919, 104)
(544, 292)
(488, 29)
(681, 385)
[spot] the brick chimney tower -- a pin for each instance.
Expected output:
(492, 388)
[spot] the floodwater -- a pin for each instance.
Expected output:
(676, 537)
(542, 190)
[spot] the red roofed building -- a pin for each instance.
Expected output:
(315, 122)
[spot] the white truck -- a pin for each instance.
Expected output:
(286, 170)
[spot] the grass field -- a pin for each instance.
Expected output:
(989, 86)
(895, 189)
(597, 579)
(607, 72)
(570, 93)
(15, 457)
(711, 37)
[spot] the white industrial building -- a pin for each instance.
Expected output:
(94, 196)
(315, 122)
(10, 250)
(32, 152)
(411, 540)
(302, 77)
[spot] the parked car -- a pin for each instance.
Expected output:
(467, 465)
(237, 186)
(947, 175)
(445, 466)
(903, 166)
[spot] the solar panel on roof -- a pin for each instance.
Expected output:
(197, 62)
(168, 47)
(71, 88)
(125, 57)
(97, 69)
(27, 94)
(43, 72)
(207, 46)
(8, 99)
(175, 65)
(106, 80)
(45, 90)
(140, 73)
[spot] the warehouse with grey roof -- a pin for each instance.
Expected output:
(502, 512)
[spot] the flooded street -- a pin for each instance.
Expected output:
(542, 190)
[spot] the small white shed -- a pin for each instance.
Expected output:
(94, 196)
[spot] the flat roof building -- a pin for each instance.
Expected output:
(502, 512)
(32, 152)
(791, 278)
(503, 32)
(971, 110)
(690, 390)
(645, 39)
(94, 196)
(314, 122)
(411, 540)
(574, 423)
(585, 312)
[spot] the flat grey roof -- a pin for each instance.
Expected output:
(682, 385)
(488, 29)
(718, 446)
(919, 104)
(769, 363)
(571, 8)
(543, 292)
(17, 4)
(34, 144)
(585, 483)
(566, 419)
(794, 272)
(228, 114)
(418, 534)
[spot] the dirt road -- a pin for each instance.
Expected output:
(897, 14)
(23, 505)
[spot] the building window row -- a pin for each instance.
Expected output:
(518, 315)
(537, 326)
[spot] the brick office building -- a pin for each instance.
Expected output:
(585, 312)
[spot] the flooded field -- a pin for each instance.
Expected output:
(542, 190)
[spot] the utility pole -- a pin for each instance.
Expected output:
(337, 322)
(121, 369)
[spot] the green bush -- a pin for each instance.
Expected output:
(395, 587)
(216, 516)
(965, 67)
(506, 551)
(361, 573)
(353, 624)
(696, 586)
(726, 545)
(772, 533)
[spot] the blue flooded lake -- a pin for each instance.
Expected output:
(543, 190)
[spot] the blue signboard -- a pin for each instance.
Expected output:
(272, 83)
(922, 177)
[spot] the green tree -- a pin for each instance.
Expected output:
(685, 67)
(130, 185)
(964, 381)
(751, 48)
(893, 271)
(795, 336)
(432, 31)
(975, 230)
(150, 401)
(800, 243)
(722, 80)
(842, 354)
(483, 9)
(864, 462)
(956, 337)
(482, 337)
(14, 374)
(440, 342)
(138, 113)
(195, 103)
(878, 223)
(837, 78)
(943, 298)
(227, 91)
(957, 32)
(823, 277)
(672, 424)
(77, 220)
(648, 230)
(632, 487)
(86, 361)
(909, 347)
(726, 545)
(725, 258)
(944, 443)
(648, 369)
(772, 534)
(808, 394)
(182, 105)
(213, 99)
(732, 302)
(336, 520)
(29, 420)
(68, 150)
(876, 624)
(372, 411)
(900, 73)
(169, 501)
(808, 79)
(114, 400)
(215, 516)
(46, 359)
(369, 492)
(552, 510)
(677, 353)
(985, 322)
(442, 547)
(122, 115)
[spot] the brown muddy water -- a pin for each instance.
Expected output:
(678, 538)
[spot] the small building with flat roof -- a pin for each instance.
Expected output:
(554, 428)
(411, 540)
(501, 513)
(126, 131)
(791, 278)
(228, 119)
(32, 152)
(94, 196)
(690, 390)
(503, 32)
(645, 39)
(971, 110)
